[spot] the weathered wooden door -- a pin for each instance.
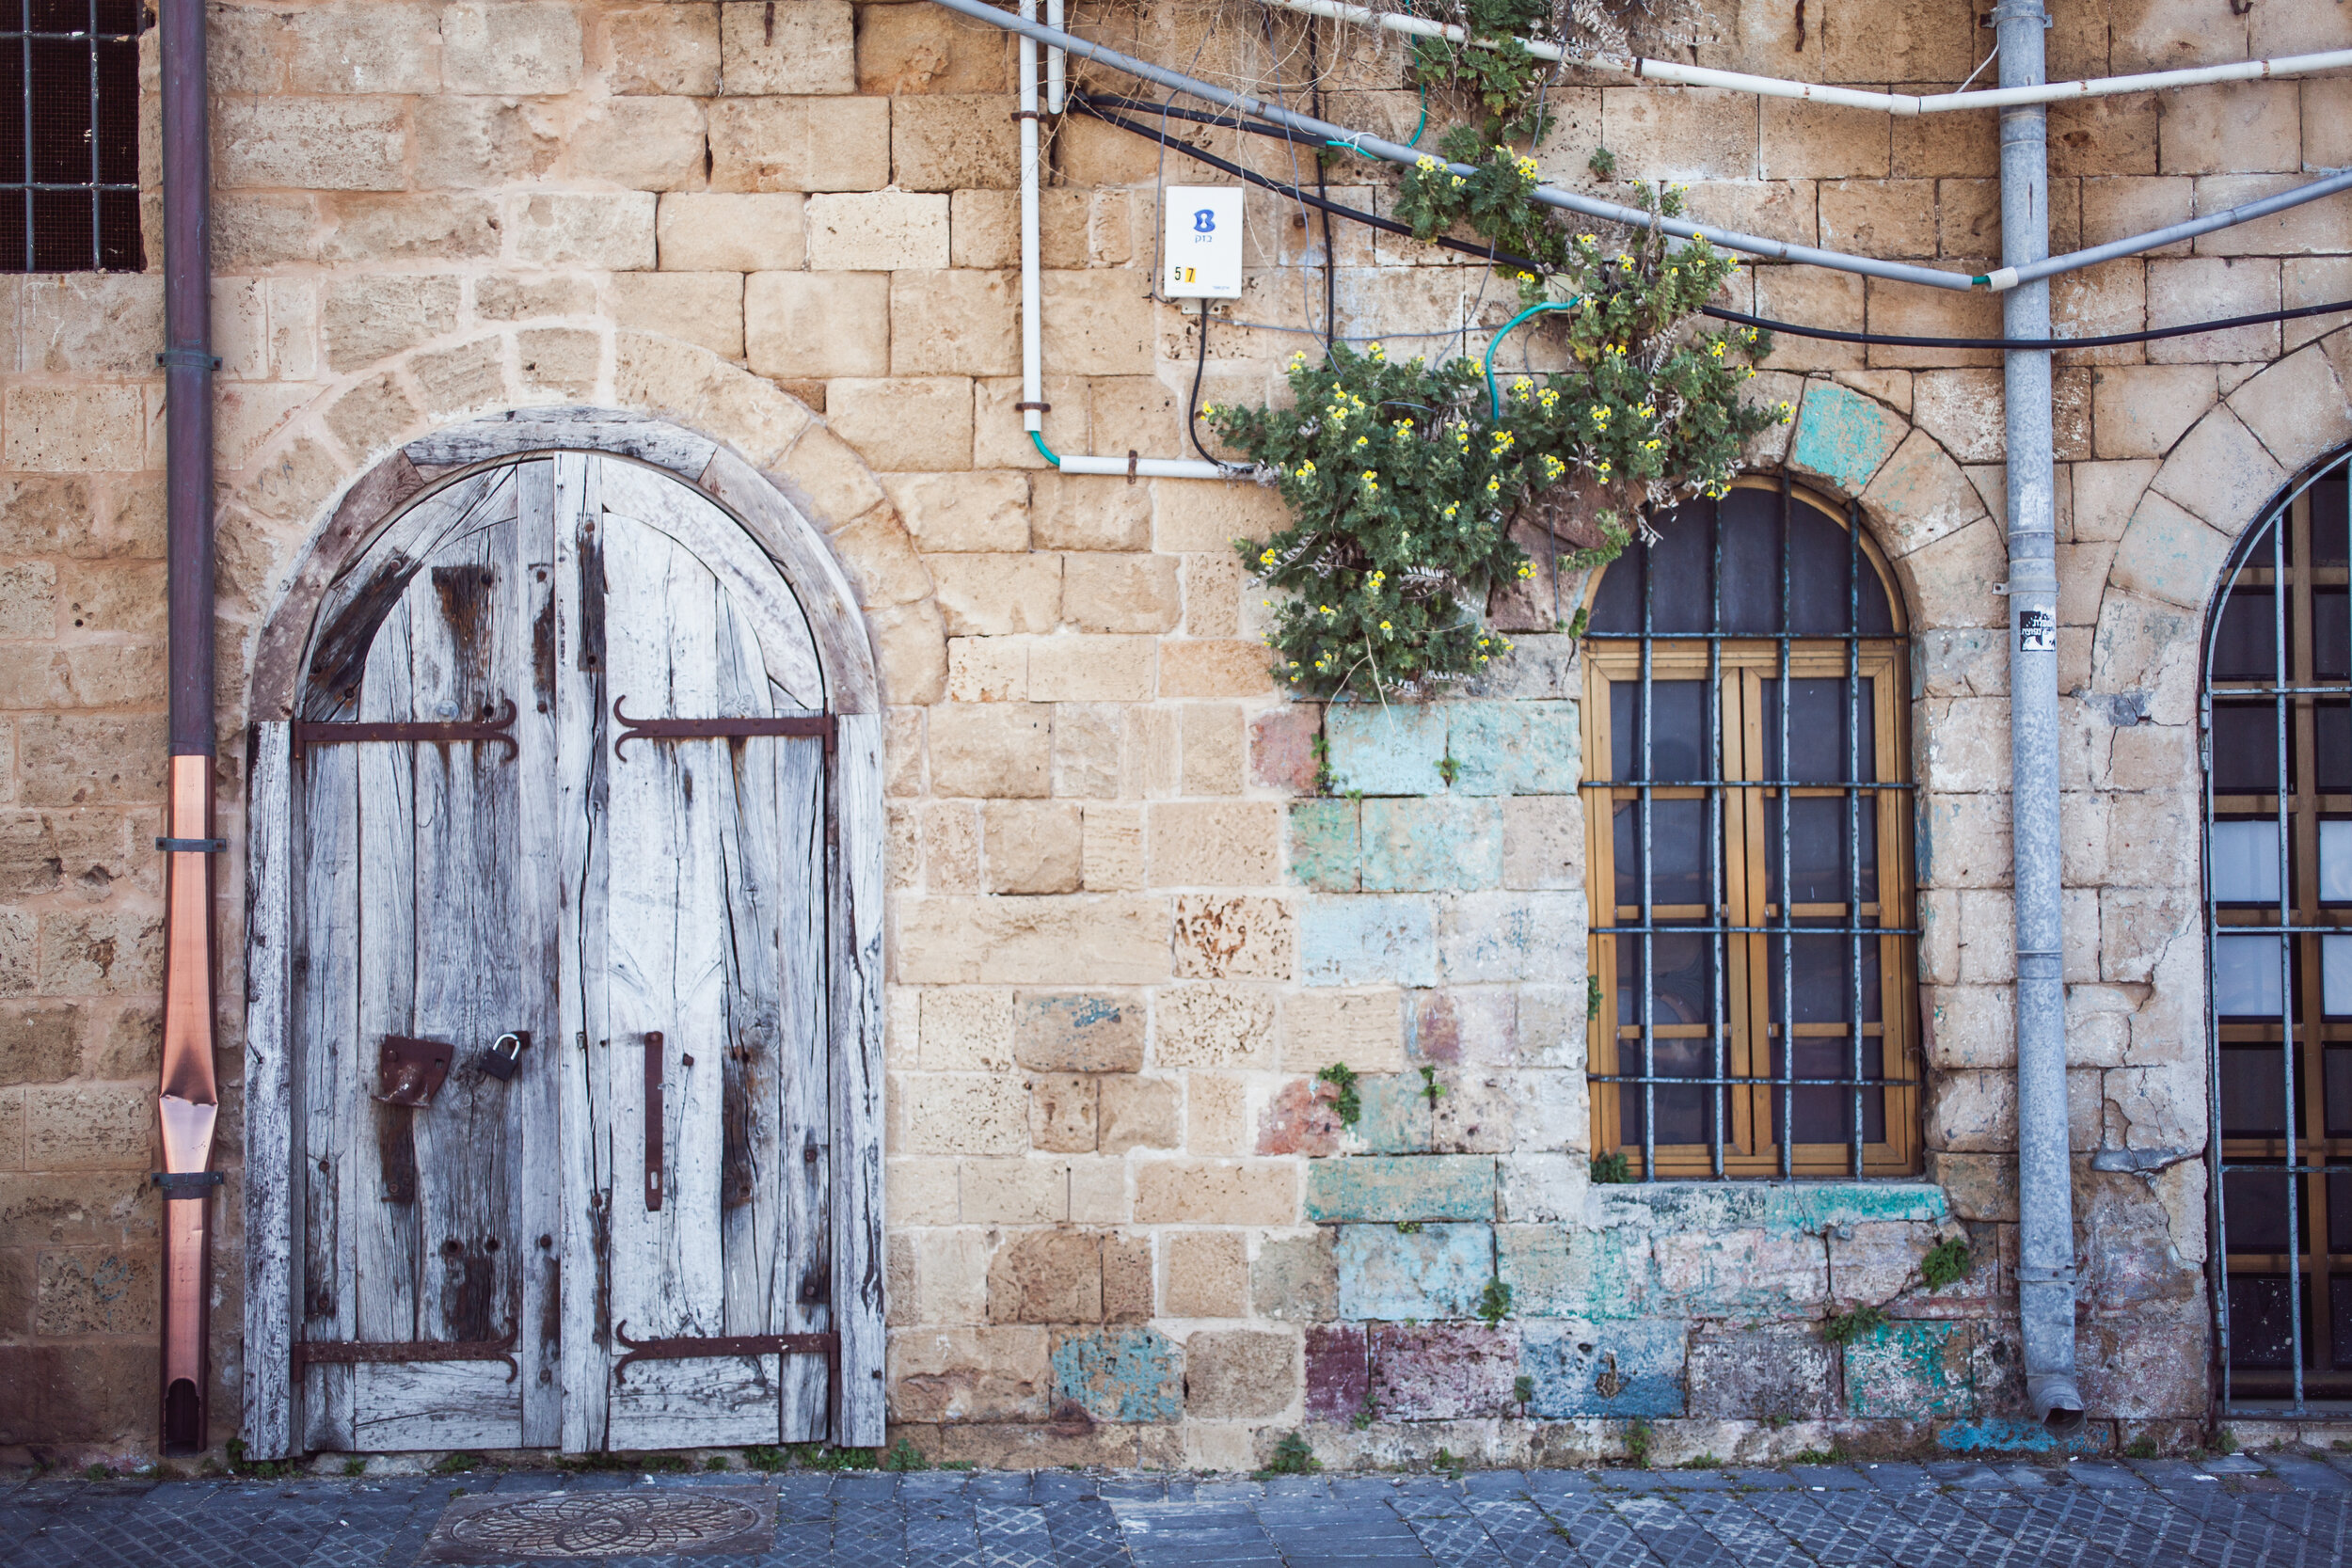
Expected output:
(560, 779)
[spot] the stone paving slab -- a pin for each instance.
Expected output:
(2277, 1510)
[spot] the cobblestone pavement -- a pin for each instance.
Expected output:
(2236, 1512)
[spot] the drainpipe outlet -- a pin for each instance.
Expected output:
(2058, 1404)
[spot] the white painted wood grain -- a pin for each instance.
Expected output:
(272, 1163)
(678, 1404)
(857, 1080)
(404, 1406)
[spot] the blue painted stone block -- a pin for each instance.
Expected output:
(1628, 1368)
(1842, 435)
(1324, 845)
(1511, 936)
(1431, 843)
(1437, 1272)
(1120, 1374)
(1396, 1114)
(1516, 748)
(1367, 940)
(1386, 748)
(1912, 1371)
(2015, 1434)
(1409, 1187)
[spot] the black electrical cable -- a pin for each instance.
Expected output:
(1884, 339)
(1322, 193)
(1192, 403)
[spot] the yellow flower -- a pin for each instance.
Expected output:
(1586, 239)
(1268, 603)
(1648, 412)
(1526, 167)
(1451, 508)
(1650, 445)
(1328, 611)
(1521, 386)
(1549, 399)
(1527, 569)
(1375, 352)
(1306, 470)
(1716, 348)
(1494, 485)
(1527, 278)
(1602, 468)
(1553, 468)
(1424, 163)
(1385, 626)
(1363, 440)
(1297, 359)
(1457, 182)
(1266, 559)
(1372, 479)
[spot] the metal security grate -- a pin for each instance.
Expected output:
(2278, 718)
(69, 147)
(1748, 842)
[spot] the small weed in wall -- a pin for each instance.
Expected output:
(1494, 1303)
(1292, 1456)
(1523, 1392)
(1345, 1103)
(1639, 1439)
(1431, 1089)
(1611, 1170)
(1947, 1263)
(1844, 1328)
(1449, 768)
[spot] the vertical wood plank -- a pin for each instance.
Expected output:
(382, 1203)
(857, 1077)
(804, 1286)
(326, 982)
(272, 1243)
(536, 1088)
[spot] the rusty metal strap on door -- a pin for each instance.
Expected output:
(653, 1120)
(818, 725)
(350, 1353)
(338, 733)
(826, 1345)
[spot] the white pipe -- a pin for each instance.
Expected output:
(1055, 70)
(1899, 104)
(1032, 347)
(1148, 467)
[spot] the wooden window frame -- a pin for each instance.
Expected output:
(1743, 1145)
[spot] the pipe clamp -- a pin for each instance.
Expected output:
(183, 1185)
(187, 360)
(2028, 1275)
(193, 846)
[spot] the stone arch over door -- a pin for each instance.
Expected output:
(777, 545)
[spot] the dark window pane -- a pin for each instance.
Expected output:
(2328, 519)
(1678, 747)
(1824, 1115)
(1822, 988)
(2332, 655)
(1678, 869)
(2261, 1331)
(2246, 638)
(2246, 748)
(71, 121)
(1818, 740)
(2253, 1092)
(2340, 1318)
(1685, 988)
(2338, 1095)
(2332, 734)
(2340, 1214)
(1684, 1116)
(1819, 833)
(2254, 1208)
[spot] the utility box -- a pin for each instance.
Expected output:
(1201, 257)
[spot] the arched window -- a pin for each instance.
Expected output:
(2279, 888)
(1705, 796)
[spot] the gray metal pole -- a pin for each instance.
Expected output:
(2045, 1273)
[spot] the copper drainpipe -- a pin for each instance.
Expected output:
(190, 1099)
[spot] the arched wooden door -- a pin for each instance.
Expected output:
(558, 1000)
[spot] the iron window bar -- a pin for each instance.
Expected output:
(1783, 921)
(25, 190)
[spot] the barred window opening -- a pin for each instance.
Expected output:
(1749, 855)
(70, 146)
(2279, 907)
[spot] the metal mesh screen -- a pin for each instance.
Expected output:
(1748, 821)
(70, 146)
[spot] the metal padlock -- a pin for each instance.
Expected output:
(500, 1062)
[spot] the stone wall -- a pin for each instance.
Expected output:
(1125, 932)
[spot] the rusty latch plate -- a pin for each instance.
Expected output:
(700, 1347)
(411, 1071)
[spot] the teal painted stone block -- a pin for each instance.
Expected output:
(1511, 936)
(2015, 1434)
(1396, 1114)
(1405, 1187)
(1516, 748)
(1368, 941)
(1788, 1207)
(1386, 748)
(1386, 1274)
(1324, 845)
(1430, 843)
(1911, 1371)
(1557, 1272)
(1631, 1369)
(1120, 1374)
(1843, 436)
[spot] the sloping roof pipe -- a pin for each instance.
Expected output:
(1609, 212)
(1902, 104)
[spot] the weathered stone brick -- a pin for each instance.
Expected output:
(816, 324)
(955, 324)
(1435, 1272)
(1210, 667)
(75, 1126)
(988, 670)
(1363, 1029)
(1299, 1118)
(1443, 1372)
(1047, 1276)
(1914, 1371)
(1141, 1112)
(807, 46)
(1212, 748)
(75, 760)
(1015, 1192)
(962, 1114)
(1217, 1114)
(701, 308)
(1121, 593)
(645, 144)
(40, 1042)
(1072, 669)
(1241, 1373)
(1423, 1187)
(329, 144)
(910, 423)
(1213, 1026)
(718, 232)
(999, 749)
(1208, 1274)
(1385, 749)
(2232, 127)
(503, 47)
(610, 229)
(877, 231)
(1423, 845)
(1629, 1369)
(2202, 288)
(1112, 852)
(1033, 846)
(953, 142)
(1324, 845)
(1120, 1374)
(100, 1291)
(671, 48)
(1217, 1192)
(1062, 1110)
(1339, 1371)
(900, 50)
(74, 428)
(1234, 938)
(1079, 1031)
(1201, 844)
(1085, 512)
(1359, 941)
(476, 143)
(967, 1030)
(969, 1374)
(800, 144)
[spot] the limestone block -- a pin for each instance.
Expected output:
(1217, 1114)
(71, 428)
(988, 670)
(2096, 301)
(1213, 1026)
(947, 1277)
(1079, 1031)
(956, 323)
(954, 142)
(1392, 1188)
(1338, 1372)
(1812, 141)
(375, 315)
(968, 1374)
(1509, 936)
(1207, 1276)
(1324, 848)
(1120, 941)
(962, 1114)
(1542, 842)
(1097, 323)
(1188, 516)
(2219, 473)
(28, 599)
(1220, 938)
(800, 144)
(1088, 741)
(1387, 749)
(1968, 217)
(1843, 437)
(511, 299)
(1628, 1368)
(1206, 667)
(1111, 855)
(1212, 748)
(2153, 756)
(1098, 1196)
(701, 308)
(2141, 411)
(900, 49)
(1969, 1026)
(1141, 1112)
(475, 143)
(311, 143)
(669, 48)
(982, 513)
(879, 560)
(374, 415)
(706, 231)
(2145, 645)
(1431, 844)
(2232, 127)
(1063, 1109)
(912, 423)
(1217, 1192)
(828, 480)
(877, 231)
(816, 324)
(1363, 1029)
(1966, 745)
(2313, 228)
(1047, 1276)
(610, 230)
(1151, 752)
(1131, 1374)
(951, 848)
(1963, 841)
(967, 1031)
(74, 1127)
(2202, 288)
(647, 144)
(2297, 408)
(367, 227)
(1908, 309)
(1814, 295)
(1478, 1025)
(469, 376)
(1121, 593)
(1962, 409)
(1032, 846)
(1362, 939)
(1214, 585)
(501, 47)
(993, 750)
(1683, 133)
(2107, 494)
(1880, 217)
(1015, 1192)
(1089, 512)
(1241, 1373)
(2118, 208)
(1071, 669)
(1203, 844)
(1945, 580)
(1513, 748)
(807, 46)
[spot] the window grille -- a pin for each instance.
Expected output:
(1707, 795)
(2277, 717)
(70, 149)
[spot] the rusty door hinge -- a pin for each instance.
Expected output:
(347, 1353)
(411, 1071)
(826, 1345)
(491, 726)
(818, 725)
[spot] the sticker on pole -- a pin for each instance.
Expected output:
(1203, 252)
(2037, 631)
